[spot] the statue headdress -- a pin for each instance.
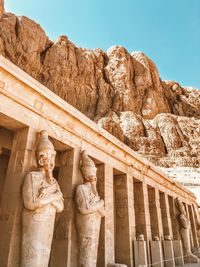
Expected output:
(179, 205)
(87, 165)
(44, 142)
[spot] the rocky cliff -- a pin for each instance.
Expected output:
(120, 91)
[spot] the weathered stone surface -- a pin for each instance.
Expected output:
(1, 8)
(42, 200)
(185, 229)
(121, 91)
(90, 210)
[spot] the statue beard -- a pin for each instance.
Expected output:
(48, 168)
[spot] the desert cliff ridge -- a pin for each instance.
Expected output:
(120, 91)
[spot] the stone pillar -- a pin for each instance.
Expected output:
(64, 247)
(141, 205)
(191, 234)
(106, 250)
(142, 216)
(124, 219)
(155, 212)
(165, 213)
(21, 159)
(174, 221)
(197, 220)
(193, 228)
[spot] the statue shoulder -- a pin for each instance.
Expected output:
(82, 187)
(81, 191)
(33, 175)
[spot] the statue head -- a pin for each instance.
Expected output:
(88, 167)
(167, 237)
(45, 152)
(156, 238)
(140, 237)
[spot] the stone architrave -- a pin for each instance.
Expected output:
(90, 210)
(184, 229)
(42, 200)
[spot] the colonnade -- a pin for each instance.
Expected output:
(134, 206)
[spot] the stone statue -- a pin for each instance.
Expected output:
(42, 200)
(90, 210)
(184, 223)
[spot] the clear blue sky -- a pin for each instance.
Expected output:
(168, 31)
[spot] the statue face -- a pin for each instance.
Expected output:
(46, 159)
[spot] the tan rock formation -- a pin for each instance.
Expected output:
(1, 8)
(120, 91)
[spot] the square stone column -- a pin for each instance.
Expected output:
(142, 215)
(64, 250)
(155, 212)
(106, 250)
(178, 252)
(165, 214)
(21, 159)
(191, 234)
(197, 221)
(168, 253)
(173, 216)
(124, 219)
(193, 228)
(156, 254)
(141, 205)
(140, 253)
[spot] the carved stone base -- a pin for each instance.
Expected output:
(168, 253)
(196, 251)
(140, 253)
(116, 265)
(191, 259)
(156, 254)
(178, 252)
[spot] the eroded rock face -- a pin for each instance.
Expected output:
(1, 8)
(120, 91)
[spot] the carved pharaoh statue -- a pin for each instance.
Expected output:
(42, 200)
(184, 223)
(90, 210)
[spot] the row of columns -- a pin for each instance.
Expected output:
(132, 208)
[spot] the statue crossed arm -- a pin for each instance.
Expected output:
(36, 196)
(87, 206)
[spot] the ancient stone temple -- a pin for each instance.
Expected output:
(93, 146)
(71, 194)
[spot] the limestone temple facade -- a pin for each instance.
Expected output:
(78, 193)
